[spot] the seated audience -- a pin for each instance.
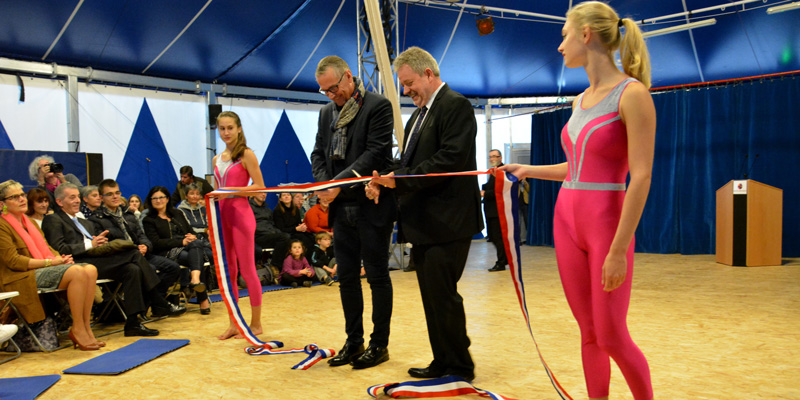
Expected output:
(296, 270)
(38, 205)
(188, 178)
(173, 238)
(194, 210)
(70, 234)
(135, 205)
(125, 226)
(267, 236)
(27, 262)
(91, 200)
(288, 219)
(301, 202)
(321, 258)
(48, 175)
(316, 218)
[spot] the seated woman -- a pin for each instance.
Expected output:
(135, 205)
(38, 205)
(288, 218)
(49, 174)
(194, 210)
(28, 262)
(316, 218)
(173, 238)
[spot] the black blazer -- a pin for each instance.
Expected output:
(369, 148)
(441, 209)
(63, 235)
(159, 231)
(489, 198)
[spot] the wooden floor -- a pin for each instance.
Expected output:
(709, 331)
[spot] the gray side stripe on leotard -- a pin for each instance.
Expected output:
(593, 186)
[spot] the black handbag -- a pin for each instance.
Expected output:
(45, 330)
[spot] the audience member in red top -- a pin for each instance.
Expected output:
(316, 219)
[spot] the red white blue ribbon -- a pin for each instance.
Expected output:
(315, 354)
(506, 193)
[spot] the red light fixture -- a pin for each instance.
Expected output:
(485, 26)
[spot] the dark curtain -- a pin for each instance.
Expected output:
(704, 138)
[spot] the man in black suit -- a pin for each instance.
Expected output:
(440, 215)
(69, 233)
(354, 137)
(492, 216)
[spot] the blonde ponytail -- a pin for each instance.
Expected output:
(604, 21)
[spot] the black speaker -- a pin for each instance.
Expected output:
(213, 111)
(94, 168)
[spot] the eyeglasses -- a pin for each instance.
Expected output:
(109, 194)
(13, 197)
(154, 198)
(332, 89)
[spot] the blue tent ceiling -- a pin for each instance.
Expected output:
(265, 43)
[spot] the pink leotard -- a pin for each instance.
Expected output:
(586, 217)
(238, 229)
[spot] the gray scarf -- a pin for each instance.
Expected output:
(342, 119)
(118, 219)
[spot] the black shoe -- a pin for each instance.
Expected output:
(426, 373)
(139, 330)
(172, 311)
(307, 283)
(469, 377)
(205, 311)
(372, 357)
(347, 354)
(497, 268)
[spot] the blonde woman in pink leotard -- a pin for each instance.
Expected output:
(611, 132)
(234, 169)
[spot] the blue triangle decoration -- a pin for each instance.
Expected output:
(146, 162)
(285, 161)
(5, 141)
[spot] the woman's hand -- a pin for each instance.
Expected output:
(301, 228)
(189, 238)
(615, 268)
(62, 259)
(518, 170)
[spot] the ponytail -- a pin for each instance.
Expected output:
(633, 53)
(604, 21)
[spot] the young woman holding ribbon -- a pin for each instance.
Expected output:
(234, 169)
(611, 132)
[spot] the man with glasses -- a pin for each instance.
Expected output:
(69, 234)
(491, 214)
(354, 137)
(121, 225)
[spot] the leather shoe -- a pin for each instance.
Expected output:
(372, 357)
(347, 354)
(172, 311)
(469, 377)
(426, 373)
(140, 330)
(497, 268)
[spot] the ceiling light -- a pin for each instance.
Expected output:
(680, 28)
(485, 26)
(782, 8)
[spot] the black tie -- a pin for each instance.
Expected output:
(412, 141)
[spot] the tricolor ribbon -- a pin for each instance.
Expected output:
(447, 386)
(315, 354)
(506, 193)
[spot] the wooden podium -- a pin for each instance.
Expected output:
(749, 224)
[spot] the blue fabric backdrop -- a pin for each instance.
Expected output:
(704, 138)
(146, 162)
(285, 161)
(5, 141)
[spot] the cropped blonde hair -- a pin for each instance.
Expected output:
(418, 60)
(604, 21)
(9, 184)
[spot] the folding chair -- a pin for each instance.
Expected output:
(24, 324)
(115, 296)
(7, 297)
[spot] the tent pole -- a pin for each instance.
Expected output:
(211, 138)
(73, 131)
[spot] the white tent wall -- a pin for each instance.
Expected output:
(108, 115)
(38, 123)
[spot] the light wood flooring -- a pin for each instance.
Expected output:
(709, 331)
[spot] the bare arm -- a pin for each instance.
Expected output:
(555, 172)
(639, 116)
(250, 163)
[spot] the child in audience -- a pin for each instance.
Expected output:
(296, 270)
(323, 263)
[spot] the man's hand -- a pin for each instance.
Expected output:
(100, 239)
(328, 194)
(385, 180)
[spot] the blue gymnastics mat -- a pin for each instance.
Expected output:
(26, 388)
(214, 298)
(128, 357)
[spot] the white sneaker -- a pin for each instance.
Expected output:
(7, 332)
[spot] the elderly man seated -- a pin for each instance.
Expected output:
(48, 174)
(69, 234)
(120, 225)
